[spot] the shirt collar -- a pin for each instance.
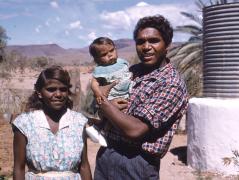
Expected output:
(152, 75)
(43, 123)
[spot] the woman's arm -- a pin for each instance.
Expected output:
(84, 168)
(19, 152)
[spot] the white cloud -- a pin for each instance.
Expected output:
(38, 29)
(47, 23)
(67, 33)
(58, 19)
(126, 19)
(140, 4)
(54, 4)
(8, 16)
(81, 37)
(92, 36)
(75, 25)
(116, 20)
(109, 34)
(88, 38)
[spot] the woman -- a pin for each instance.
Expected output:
(50, 138)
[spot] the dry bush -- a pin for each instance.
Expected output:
(234, 159)
(88, 103)
(77, 94)
(13, 100)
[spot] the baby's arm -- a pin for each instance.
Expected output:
(96, 90)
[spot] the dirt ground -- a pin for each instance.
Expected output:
(173, 165)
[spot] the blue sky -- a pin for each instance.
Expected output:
(75, 23)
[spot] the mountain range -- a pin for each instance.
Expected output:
(79, 56)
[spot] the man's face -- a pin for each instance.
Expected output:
(150, 47)
(107, 55)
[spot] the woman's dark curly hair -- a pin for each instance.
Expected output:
(158, 22)
(53, 72)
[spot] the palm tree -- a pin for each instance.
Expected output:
(187, 57)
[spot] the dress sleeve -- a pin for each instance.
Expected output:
(84, 120)
(161, 103)
(21, 123)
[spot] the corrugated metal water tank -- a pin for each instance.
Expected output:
(221, 51)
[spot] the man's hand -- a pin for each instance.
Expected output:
(120, 103)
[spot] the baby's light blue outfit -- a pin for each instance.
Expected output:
(118, 71)
(46, 151)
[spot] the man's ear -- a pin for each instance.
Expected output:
(39, 95)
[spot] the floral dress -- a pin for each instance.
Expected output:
(46, 151)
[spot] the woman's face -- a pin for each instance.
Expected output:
(54, 94)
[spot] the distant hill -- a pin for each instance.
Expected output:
(37, 50)
(126, 49)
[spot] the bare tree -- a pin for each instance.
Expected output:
(3, 43)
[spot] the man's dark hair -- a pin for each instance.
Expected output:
(99, 41)
(158, 22)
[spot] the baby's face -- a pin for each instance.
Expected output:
(107, 55)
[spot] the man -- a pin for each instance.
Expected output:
(158, 99)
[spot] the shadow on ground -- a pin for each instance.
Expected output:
(181, 153)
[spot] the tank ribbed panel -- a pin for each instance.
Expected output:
(221, 51)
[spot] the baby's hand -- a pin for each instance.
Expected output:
(98, 96)
(99, 99)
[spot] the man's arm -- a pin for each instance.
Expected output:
(130, 126)
(156, 111)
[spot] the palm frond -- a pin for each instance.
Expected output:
(191, 29)
(196, 39)
(187, 48)
(200, 4)
(192, 17)
(173, 51)
(177, 59)
(192, 58)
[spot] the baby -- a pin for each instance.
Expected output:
(109, 69)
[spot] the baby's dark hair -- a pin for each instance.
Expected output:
(53, 72)
(99, 41)
(158, 22)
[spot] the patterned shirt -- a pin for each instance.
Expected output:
(46, 151)
(158, 98)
